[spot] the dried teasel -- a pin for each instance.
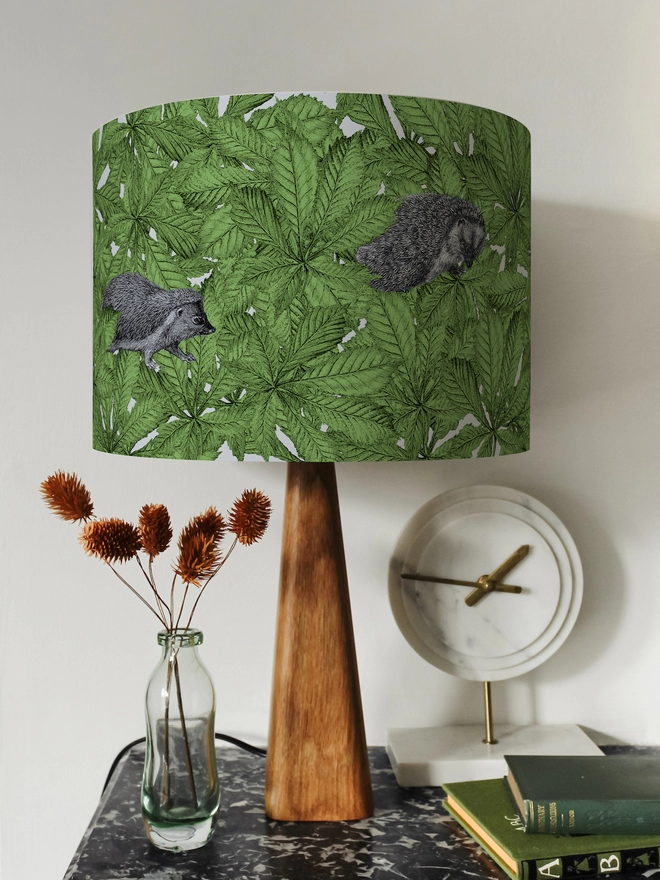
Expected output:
(199, 559)
(199, 553)
(249, 516)
(112, 540)
(115, 540)
(210, 523)
(67, 497)
(155, 529)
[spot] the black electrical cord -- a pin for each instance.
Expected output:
(255, 750)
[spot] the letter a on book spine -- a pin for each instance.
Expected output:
(550, 869)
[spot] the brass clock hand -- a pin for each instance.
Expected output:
(487, 583)
(500, 588)
(509, 563)
(484, 586)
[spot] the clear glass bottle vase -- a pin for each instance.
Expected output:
(180, 790)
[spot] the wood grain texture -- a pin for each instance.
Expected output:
(317, 767)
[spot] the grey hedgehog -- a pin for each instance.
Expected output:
(152, 319)
(431, 234)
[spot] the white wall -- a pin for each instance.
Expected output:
(76, 647)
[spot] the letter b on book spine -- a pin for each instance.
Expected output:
(609, 863)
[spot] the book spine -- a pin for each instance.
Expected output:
(590, 864)
(592, 817)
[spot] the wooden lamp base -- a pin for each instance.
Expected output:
(317, 767)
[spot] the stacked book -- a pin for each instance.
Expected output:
(565, 817)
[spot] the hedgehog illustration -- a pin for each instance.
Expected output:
(153, 319)
(431, 234)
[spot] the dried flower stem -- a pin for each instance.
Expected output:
(227, 555)
(150, 580)
(165, 795)
(184, 731)
(133, 590)
(172, 603)
(153, 582)
(183, 602)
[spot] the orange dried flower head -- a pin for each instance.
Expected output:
(211, 523)
(249, 516)
(199, 552)
(112, 540)
(199, 558)
(67, 497)
(155, 529)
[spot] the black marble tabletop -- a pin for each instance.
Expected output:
(409, 837)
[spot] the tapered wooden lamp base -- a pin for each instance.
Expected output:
(317, 766)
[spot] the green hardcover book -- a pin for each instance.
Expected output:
(486, 811)
(616, 794)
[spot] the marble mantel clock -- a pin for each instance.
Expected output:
(485, 583)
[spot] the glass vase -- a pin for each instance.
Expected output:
(180, 790)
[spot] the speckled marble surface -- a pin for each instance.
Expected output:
(409, 837)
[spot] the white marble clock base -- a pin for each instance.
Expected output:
(435, 755)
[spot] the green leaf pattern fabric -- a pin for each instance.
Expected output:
(260, 203)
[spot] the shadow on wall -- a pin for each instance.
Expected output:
(604, 598)
(595, 315)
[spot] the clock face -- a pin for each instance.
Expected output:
(464, 534)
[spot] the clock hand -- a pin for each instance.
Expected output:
(487, 583)
(509, 563)
(500, 588)
(484, 586)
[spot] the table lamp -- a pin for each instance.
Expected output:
(312, 278)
